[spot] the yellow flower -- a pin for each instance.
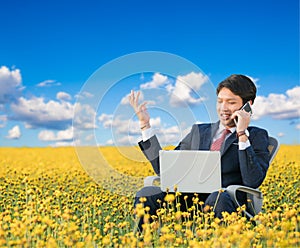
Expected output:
(169, 198)
(177, 227)
(178, 215)
(106, 240)
(143, 199)
(47, 196)
(165, 229)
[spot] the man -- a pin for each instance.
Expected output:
(244, 153)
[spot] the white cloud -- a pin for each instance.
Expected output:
(14, 133)
(125, 99)
(110, 142)
(156, 122)
(157, 81)
(184, 91)
(278, 106)
(84, 117)
(35, 112)
(106, 120)
(46, 135)
(298, 126)
(125, 126)
(60, 138)
(10, 84)
(90, 137)
(3, 120)
(119, 126)
(84, 95)
(48, 83)
(172, 135)
(281, 134)
(127, 132)
(63, 135)
(63, 96)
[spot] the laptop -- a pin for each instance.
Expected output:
(190, 171)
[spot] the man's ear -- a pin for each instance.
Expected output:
(251, 102)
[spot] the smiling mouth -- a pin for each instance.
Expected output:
(226, 116)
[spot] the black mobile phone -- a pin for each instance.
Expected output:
(247, 108)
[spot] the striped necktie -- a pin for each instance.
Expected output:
(216, 145)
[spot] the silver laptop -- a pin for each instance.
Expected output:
(190, 171)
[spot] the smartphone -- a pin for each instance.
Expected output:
(247, 108)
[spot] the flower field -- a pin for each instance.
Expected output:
(48, 200)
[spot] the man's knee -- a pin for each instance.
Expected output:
(148, 191)
(220, 202)
(151, 194)
(217, 196)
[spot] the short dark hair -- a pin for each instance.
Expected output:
(240, 85)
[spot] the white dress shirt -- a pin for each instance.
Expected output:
(148, 133)
(242, 145)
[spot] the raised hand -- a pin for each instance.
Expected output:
(140, 110)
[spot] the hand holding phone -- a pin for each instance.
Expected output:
(247, 108)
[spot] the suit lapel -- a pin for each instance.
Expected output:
(231, 139)
(207, 136)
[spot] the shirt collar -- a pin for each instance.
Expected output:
(221, 128)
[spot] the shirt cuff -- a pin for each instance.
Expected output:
(147, 134)
(244, 145)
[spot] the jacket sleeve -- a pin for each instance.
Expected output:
(186, 142)
(151, 148)
(254, 160)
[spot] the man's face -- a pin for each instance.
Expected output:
(227, 104)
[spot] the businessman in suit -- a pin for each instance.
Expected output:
(244, 148)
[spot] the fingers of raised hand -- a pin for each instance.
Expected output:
(143, 106)
(133, 100)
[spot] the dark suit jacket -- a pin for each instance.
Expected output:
(242, 167)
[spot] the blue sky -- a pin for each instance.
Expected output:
(50, 50)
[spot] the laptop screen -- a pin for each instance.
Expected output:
(190, 171)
